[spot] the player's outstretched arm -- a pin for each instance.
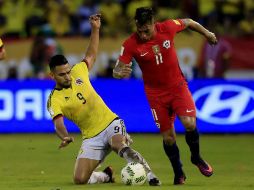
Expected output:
(62, 133)
(122, 70)
(91, 52)
(195, 26)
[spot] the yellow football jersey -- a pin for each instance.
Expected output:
(81, 104)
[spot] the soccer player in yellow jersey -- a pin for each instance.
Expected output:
(102, 130)
(2, 50)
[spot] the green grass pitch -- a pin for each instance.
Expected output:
(33, 162)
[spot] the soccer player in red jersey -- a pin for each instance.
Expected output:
(152, 46)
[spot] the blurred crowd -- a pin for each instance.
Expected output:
(43, 20)
(23, 18)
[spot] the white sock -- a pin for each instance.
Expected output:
(150, 175)
(98, 177)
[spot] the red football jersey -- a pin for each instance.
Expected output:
(157, 57)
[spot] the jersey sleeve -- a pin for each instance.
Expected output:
(174, 25)
(80, 70)
(54, 107)
(126, 52)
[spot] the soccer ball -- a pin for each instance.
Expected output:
(133, 174)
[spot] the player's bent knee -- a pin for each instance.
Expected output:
(117, 144)
(117, 147)
(169, 140)
(78, 180)
(190, 126)
(188, 122)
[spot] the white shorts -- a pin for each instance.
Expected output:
(98, 147)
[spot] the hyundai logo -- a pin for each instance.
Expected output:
(224, 104)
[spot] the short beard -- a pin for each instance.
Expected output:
(64, 85)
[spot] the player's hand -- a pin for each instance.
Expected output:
(95, 21)
(211, 38)
(124, 71)
(66, 141)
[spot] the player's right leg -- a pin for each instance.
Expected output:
(172, 151)
(164, 119)
(120, 142)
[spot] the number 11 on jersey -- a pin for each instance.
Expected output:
(158, 58)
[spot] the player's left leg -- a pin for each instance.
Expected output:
(184, 107)
(192, 139)
(131, 155)
(120, 143)
(164, 118)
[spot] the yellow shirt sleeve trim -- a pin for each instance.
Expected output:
(177, 22)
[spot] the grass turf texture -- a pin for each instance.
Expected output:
(32, 161)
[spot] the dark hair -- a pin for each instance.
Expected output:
(57, 60)
(144, 15)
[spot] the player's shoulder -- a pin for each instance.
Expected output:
(53, 95)
(79, 65)
(166, 25)
(171, 22)
(79, 68)
(132, 39)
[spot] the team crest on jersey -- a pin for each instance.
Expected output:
(166, 44)
(79, 81)
(156, 49)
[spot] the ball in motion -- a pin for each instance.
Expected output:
(133, 174)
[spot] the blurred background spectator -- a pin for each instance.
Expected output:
(112, 18)
(58, 16)
(35, 16)
(214, 60)
(43, 48)
(87, 8)
(43, 23)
